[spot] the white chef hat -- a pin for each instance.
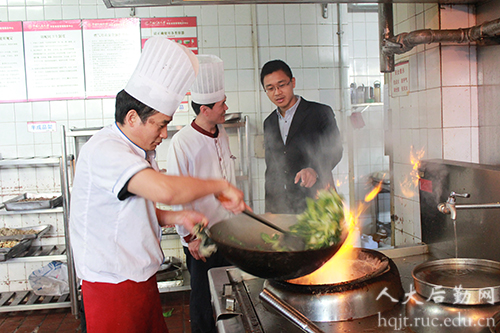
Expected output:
(208, 87)
(163, 75)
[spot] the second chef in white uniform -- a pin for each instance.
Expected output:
(202, 150)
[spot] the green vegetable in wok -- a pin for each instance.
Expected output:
(274, 240)
(236, 240)
(320, 224)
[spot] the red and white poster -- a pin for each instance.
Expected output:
(181, 29)
(54, 60)
(400, 79)
(12, 73)
(112, 50)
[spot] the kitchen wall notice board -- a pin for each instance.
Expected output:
(77, 59)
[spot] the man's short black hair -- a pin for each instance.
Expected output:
(196, 107)
(125, 103)
(273, 66)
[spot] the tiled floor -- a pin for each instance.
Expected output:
(62, 321)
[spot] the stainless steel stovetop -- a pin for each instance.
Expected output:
(238, 307)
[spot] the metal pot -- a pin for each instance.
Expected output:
(456, 294)
(425, 316)
(239, 240)
(469, 276)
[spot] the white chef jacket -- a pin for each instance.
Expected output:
(112, 240)
(196, 153)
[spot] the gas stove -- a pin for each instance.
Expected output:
(245, 303)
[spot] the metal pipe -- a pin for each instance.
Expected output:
(386, 29)
(344, 104)
(450, 207)
(478, 206)
(290, 313)
(255, 52)
(72, 278)
(406, 41)
(248, 161)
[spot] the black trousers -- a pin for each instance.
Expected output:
(200, 306)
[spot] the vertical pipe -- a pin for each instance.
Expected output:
(386, 31)
(249, 162)
(255, 49)
(347, 128)
(72, 279)
(258, 125)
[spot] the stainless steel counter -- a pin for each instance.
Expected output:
(270, 321)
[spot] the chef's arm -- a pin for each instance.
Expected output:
(178, 190)
(186, 218)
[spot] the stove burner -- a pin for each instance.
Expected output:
(346, 300)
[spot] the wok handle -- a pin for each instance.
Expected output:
(262, 220)
(290, 313)
(247, 212)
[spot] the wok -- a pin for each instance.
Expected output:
(239, 240)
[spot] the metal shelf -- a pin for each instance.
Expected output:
(186, 284)
(49, 160)
(32, 211)
(27, 300)
(41, 253)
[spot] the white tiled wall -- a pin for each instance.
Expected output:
(440, 115)
(368, 141)
(488, 91)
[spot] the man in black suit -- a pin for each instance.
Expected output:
(302, 143)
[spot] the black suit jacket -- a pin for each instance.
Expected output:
(313, 142)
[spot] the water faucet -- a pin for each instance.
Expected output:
(449, 207)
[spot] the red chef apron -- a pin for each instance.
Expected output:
(126, 307)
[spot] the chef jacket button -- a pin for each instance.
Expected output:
(286, 172)
(284, 186)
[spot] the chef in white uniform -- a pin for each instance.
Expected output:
(201, 149)
(115, 227)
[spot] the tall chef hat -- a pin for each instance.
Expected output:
(208, 87)
(163, 75)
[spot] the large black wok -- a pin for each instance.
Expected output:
(239, 240)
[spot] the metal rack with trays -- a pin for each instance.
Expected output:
(27, 300)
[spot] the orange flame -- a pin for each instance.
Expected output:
(373, 193)
(339, 267)
(410, 182)
(334, 270)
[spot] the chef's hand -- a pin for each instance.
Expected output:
(232, 199)
(194, 247)
(186, 218)
(307, 177)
